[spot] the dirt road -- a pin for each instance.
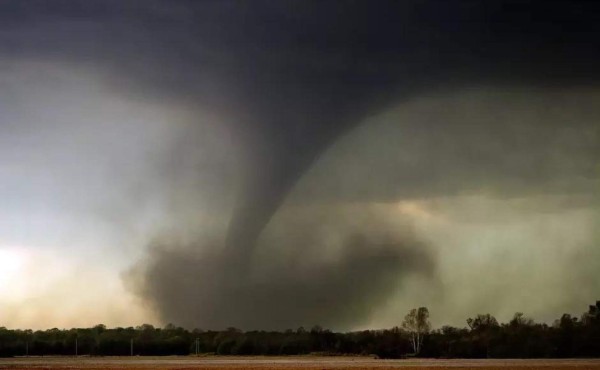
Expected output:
(276, 363)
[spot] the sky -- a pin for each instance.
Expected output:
(215, 164)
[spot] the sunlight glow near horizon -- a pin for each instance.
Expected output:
(33, 281)
(12, 261)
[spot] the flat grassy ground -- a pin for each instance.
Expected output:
(273, 363)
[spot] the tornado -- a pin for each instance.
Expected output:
(289, 79)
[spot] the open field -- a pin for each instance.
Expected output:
(273, 363)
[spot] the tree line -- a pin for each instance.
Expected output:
(483, 337)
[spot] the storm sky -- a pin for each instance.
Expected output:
(270, 165)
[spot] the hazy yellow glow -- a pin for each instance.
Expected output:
(414, 209)
(537, 240)
(12, 261)
(41, 290)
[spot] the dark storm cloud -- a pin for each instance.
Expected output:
(288, 78)
(294, 75)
